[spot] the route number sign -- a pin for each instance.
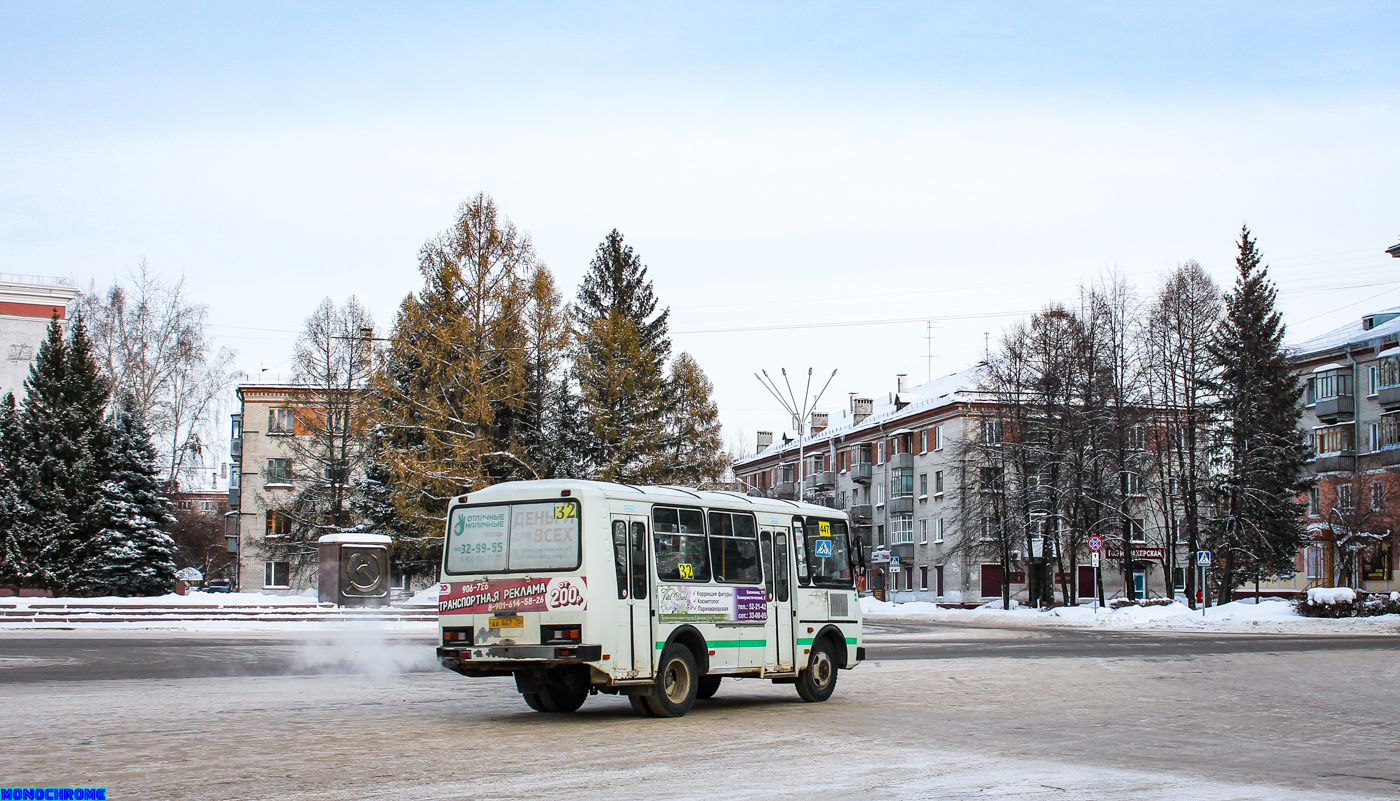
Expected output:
(1202, 558)
(1096, 543)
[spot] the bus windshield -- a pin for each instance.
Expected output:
(513, 538)
(828, 553)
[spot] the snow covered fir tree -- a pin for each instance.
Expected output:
(81, 510)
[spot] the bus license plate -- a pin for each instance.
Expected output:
(507, 622)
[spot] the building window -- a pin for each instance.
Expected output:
(1312, 562)
(1314, 501)
(279, 421)
(902, 483)
(880, 495)
(237, 428)
(923, 485)
(1137, 438)
(902, 530)
(276, 575)
(279, 471)
(1373, 380)
(1332, 384)
(923, 441)
(278, 525)
(1344, 503)
(923, 531)
(991, 432)
(1135, 530)
(938, 530)
(880, 453)
(1373, 437)
(937, 437)
(938, 482)
(1377, 496)
(880, 536)
(923, 577)
(1132, 483)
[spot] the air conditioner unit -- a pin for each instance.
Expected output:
(1015, 556)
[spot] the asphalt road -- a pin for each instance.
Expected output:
(938, 711)
(76, 656)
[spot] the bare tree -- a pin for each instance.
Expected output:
(333, 360)
(1183, 318)
(153, 344)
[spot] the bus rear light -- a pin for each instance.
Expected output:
(462, 499)
(555, 635)
(565, 493)
(457, 637)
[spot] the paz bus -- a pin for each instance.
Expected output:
(655, 593)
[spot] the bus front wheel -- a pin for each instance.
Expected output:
(818, 681)
(676, 683)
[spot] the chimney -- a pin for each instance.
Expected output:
(818, 422)
(765, 439)
(861, 408)
(899, 382)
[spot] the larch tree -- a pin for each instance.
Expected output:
(622, 346)
(1257, 449)
(694, 442)
(450, 389)
(541, 442)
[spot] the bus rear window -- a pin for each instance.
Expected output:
(514, 538)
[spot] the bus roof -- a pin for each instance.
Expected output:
(650, 493)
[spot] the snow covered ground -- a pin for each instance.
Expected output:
(173, 600)
(1271, 616)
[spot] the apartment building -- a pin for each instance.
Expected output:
(893, 463)
(27, 304)
(264, 477)
(1352, 424)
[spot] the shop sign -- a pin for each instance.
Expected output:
(1142, 553)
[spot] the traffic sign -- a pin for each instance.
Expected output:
(823, 547)
(894, 563)
(1096, 543)
(1202, 558)
(1094, 558)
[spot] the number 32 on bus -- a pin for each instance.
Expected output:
(654, 593)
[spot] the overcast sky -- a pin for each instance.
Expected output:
(780, 168)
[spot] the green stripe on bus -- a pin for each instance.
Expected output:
(727, 644)
(810, 640)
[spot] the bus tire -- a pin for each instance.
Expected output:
(640, 705)
(818, 681)
(533, 699)
(677, 681)
(559, 697)
(709, 685)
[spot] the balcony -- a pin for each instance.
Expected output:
(903, 505)
(821, 481)
(902, 461)
(1334, 410)
(233, 497)
(1335, 441)
(1389, 398)
(860, 514)
(235, 449)
(786, 491)
(860, 472)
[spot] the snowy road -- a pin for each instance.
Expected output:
(1004, 713)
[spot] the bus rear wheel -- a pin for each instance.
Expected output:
(676, 683)
(818, 681)
(709, 685)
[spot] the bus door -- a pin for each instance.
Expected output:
(633, 640)
(777, 583)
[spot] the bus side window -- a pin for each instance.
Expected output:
(799, 548)
(639, 559)
(620, 555)
(780, 564)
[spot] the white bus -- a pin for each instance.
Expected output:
(656, 593)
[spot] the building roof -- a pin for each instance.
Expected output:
(960, 387)
(1353, 333)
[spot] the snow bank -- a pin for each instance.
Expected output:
(171, 599)
(1331, 595)
(1270, 615)
(428, 596)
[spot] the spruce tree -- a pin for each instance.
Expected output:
(11, 504)
(621, 353)
(130, 552)
(1259, 451)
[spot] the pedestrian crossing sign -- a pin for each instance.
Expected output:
(823, 547)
